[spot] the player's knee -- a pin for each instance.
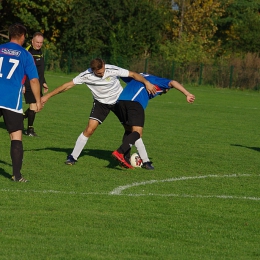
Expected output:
(89, 131)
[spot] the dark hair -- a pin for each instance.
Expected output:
(16, 30)
(37, 34)
(96, 64)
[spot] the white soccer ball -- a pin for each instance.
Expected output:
(136, 160)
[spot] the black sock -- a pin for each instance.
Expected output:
(31, 117)
(127, 153)
(16, 153)
(25, 114)
(128, 142)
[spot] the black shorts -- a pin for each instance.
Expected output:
(130, 113)
(29, 97)
(13, 121)
(100, 111)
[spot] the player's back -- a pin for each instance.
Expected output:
(15, 62)
(12, 60)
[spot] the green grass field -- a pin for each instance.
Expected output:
(202, 201)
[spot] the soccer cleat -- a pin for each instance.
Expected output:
(20, 180)
(30, 132)
(70, 160)
(147, 166)
(120, 157)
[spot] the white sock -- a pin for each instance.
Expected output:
(141, 150)
(80, 143)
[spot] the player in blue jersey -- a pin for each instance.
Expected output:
(15, 63)
(130, 110)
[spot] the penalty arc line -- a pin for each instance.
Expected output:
(120, 189)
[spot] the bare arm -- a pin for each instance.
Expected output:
(149, 86)
(66, 86)
(190, 97)
(35, 86)
(46, 88)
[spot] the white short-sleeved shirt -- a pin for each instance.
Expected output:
(106, 89)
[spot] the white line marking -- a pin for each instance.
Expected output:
(118, 190)
(192, 196)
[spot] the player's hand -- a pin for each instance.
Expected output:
(44, 99)
(23, 89)
(150, 88)
(39, 106)
(190, 98)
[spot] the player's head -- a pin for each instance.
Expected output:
(37, 40)
(17, 31)
(98, 67)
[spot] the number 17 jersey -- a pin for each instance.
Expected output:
(15, 62)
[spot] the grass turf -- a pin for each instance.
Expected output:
(200, 202)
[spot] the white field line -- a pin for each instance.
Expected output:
(118, 190)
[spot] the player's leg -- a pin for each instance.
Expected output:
(139, 144)
(31, 119)
(136, 119)
(30, 112)
(98, 114)
(14, 125)
(83, 138)
(16, 153)
(127, 110)
(128, 131)
(125, 147)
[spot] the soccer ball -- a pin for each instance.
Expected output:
(136, 160)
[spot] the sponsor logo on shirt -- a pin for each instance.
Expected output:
(10, 52)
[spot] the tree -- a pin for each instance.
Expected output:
(46, 16)
(113, 28)
(239, 27)
(192, 30)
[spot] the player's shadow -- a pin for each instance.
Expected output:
(3, 172)
(100, 154)
(248, 147)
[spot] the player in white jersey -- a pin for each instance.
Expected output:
(15, 63)
(103, 81)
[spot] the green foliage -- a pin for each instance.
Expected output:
(198, 30)
(182, 50)
(46, 16)
(113, 28)
(239, 27)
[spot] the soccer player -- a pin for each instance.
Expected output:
(103, 81)
(35, 50)
(15, 62)
(131, 105)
